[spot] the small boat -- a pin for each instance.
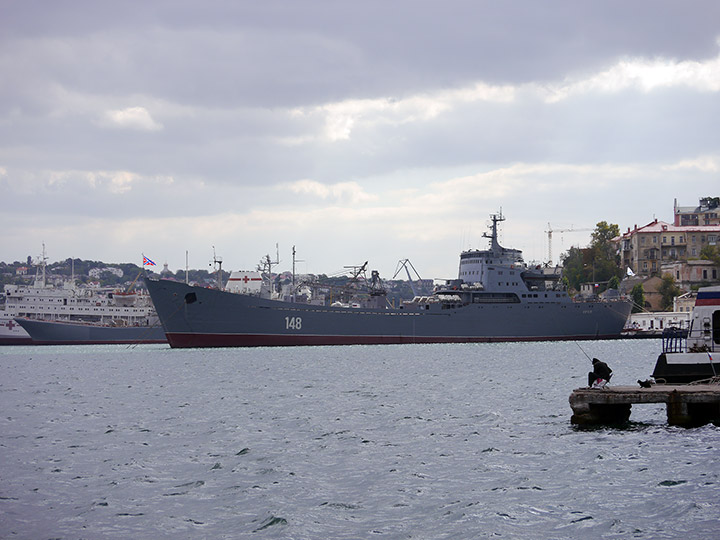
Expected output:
(687, 356)
(124, 298)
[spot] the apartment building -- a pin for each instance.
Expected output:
(707, 212)
(645, 249)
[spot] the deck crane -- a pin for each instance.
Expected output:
(404, 264)
(550, 232)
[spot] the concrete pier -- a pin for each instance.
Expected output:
(687, 405)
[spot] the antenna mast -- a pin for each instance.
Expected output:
(294, 260)
(217, 263)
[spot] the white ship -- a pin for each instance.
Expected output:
(69, 303)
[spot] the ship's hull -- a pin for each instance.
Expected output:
(70, 333)
(11, 333)
(684, 368)
(200, 317)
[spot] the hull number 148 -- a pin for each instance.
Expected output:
(293, 323)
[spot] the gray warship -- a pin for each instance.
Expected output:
(59, 332)
(496, 297)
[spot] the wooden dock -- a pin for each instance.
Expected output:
(687, 405)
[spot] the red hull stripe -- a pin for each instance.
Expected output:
(707, 301)
(97, 342)
(16, 341)
(188, 340)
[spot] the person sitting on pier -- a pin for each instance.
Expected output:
(600, 375)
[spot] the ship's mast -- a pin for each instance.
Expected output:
(294, 260)
(265, 267)
(217, 262)
(40, 282)
(494, 245)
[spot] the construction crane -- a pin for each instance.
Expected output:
(550, 232)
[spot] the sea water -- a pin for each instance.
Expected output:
(409, 441)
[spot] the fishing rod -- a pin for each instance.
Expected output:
(583, 351)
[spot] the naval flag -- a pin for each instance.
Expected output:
(147, 262)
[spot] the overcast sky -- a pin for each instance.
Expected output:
(356, 131)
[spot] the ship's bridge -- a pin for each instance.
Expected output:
(501, 269)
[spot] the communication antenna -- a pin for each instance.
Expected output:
(265, 265)
(217, 264)
(294, 260)
(41, 264)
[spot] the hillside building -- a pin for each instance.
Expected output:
(706, 213)
(645, 249)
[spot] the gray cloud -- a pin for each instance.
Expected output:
(341, 123)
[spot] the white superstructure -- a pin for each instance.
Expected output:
(68, 303)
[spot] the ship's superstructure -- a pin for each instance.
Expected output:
(69, 303)
(496, 297)
(692, 356)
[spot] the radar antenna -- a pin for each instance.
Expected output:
(496, 218)
(294, 260)
(265, 265)
(217, 267)
(41, 264)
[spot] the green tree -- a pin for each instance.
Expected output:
(598, 263)
(614, 283)
(573, 268)
(638, 297)
(668, 291)
(602, 239)
(710, 253)
(605, 261)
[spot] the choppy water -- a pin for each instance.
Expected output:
(426, 441)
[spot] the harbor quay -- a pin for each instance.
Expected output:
(687, 405)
